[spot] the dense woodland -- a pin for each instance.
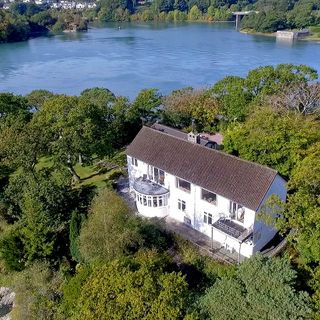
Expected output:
(24, 20)
(71, 248)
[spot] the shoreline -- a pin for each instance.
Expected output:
(311, 37)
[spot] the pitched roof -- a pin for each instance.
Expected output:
(204, 138)
(239, 180)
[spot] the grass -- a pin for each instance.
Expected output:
(315, 33)
(93, 175)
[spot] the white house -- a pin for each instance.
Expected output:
(175, 174)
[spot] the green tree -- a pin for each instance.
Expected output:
(15, 117)
(74, 230)
(302, 212)
(263, 288)
(194, 13)
(180, 5)
(274, 138)
(37, 98)
(269, 80)
(133, 289)
(185, 105)
(110, 229)
(11, 249)
(234, 99)
(74, 130)
(100, 97)
(145, 107)
(41, 204)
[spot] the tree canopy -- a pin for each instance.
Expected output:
(262, 288)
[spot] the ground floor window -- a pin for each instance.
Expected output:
(181, 205)
(207, 218)
(152, 201)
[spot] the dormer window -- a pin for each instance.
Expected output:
(134, 161)
(183, 185)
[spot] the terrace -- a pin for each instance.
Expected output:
(147, 187)
(232, 229)
(204, 243)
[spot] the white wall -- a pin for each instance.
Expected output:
(195, 208)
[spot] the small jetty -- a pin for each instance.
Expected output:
(292, 34)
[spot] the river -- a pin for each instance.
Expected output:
(137, 56)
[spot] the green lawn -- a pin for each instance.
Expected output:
(315, 33)
(93, 175)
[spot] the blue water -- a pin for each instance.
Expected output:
(138, 56)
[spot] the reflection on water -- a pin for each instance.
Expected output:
(160, 55)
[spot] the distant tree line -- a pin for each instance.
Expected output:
(24, 20)
(277, 15)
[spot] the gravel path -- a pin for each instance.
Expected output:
(6, 303)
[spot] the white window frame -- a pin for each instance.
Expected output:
(207, 217)
(211, 202)
(156, 177)
(152, 201)
(182, 188)
(182, 206)
(234, 208)
(134, 161)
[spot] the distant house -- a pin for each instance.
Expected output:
(175, 174)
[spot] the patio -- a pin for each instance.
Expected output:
(200, 240)
(203, 242)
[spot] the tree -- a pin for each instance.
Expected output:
(41, 204)
(183, 106)
(110, 229)
(74, 231)
(234, 99)
(15, 116)
(270, 80)
(274, 138)
(194, 13)
(12, 105)
(11, 249)
(300, 97)
(263, 288)
(13, 27)
(180, 5)
(138, 288)
(100, 97)
(302, 214)
(145, 107)
(37, 98)
(74, 130)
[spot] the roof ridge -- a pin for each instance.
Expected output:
(213, 150)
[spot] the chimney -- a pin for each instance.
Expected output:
(192, 136)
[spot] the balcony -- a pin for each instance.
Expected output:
(151, 198)
(232, 229)
(147, 187)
